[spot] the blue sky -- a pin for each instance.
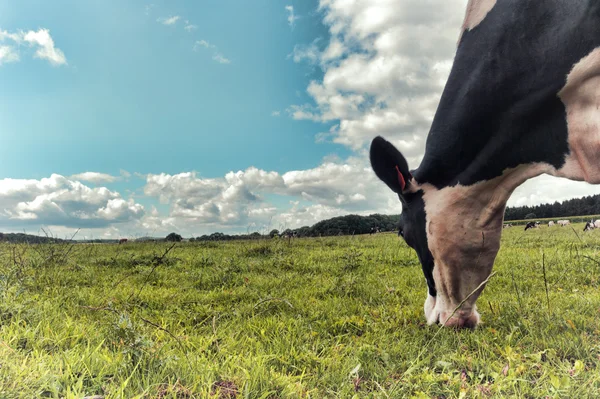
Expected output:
(136, 96)
(146, 117)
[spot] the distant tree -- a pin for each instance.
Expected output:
(530, 216)
(174, 237)
(274, 233)
(192, 239)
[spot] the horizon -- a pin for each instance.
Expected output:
(141, 118)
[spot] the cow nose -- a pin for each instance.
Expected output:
(461, 319)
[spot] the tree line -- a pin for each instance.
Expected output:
(341, 225)
(589, 205)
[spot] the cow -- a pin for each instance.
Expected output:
(122, 241)
(506, 226)
(521, 100)
(550, 223)
(531, 225)
(563, 223)
(591, 225)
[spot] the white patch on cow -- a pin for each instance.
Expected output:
(463, 226)
(430, 314)
(475, 13)
(581, 96)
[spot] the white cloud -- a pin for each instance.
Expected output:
(548, 189)
(217, 56)
(292, 18)
(221, 59)
(384, 68)
(242, 198)
(41, 40)
(275, 113)
(203, 43)
(61, 201)
(8, 54)
(310, 53)
(94, 177)
(189, 27)
(169, 20)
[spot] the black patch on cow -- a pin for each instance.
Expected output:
(500, 107)
(412, 229)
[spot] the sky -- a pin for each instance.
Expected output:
(128, 119)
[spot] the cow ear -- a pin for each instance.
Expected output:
(389, 165)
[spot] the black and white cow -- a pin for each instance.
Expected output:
(532, 225)
(521, 100)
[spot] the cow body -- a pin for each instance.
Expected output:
(550, 223)
(532, 225)
(521, 100)
(563, 223)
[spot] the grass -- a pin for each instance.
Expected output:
(337, 317)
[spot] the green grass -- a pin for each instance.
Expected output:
(318, 318)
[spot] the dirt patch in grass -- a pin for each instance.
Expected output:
(225, 390)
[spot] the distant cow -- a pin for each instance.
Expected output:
(532, 225)
(550, 223)
(563, 223)
(507, 225)
(122, 241)
(591, 225)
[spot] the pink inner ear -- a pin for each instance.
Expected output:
(400, 179)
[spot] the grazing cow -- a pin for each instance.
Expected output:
(532, 225)
(122, 241)
(521, 100)
(506, 226)
(563, 223)
(591, 225)
(550, 223)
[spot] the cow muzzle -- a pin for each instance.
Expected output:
(460, 319)
(463, 318)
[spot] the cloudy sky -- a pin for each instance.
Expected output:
(139, 118)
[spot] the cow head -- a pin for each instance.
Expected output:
(455, 231)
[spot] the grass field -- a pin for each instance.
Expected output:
(315, 318)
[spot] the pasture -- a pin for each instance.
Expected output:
(337, 317)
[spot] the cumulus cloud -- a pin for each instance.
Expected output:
(243, 198)
(169, 20)
(61, 201)
(384, 67)
(40, 40)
